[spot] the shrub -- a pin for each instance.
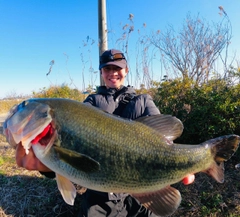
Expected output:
(207, 110)
(63, 91)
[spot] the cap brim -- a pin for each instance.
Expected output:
(122, 64)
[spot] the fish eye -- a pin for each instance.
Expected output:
(23, 104)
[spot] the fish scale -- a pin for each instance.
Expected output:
(99, 131)
(104, 152)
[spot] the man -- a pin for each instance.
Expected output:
(120, 100)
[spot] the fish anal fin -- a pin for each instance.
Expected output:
(163, 202)
(216, 171)
(67, 189)
(77, 160)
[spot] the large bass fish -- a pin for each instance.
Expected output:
(103, 152)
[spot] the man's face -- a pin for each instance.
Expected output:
(113, 76)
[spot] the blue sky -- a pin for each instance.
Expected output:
(35, 32)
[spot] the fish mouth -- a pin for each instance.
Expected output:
(45, 136)
(28, 123)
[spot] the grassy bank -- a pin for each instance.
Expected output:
(28, 193)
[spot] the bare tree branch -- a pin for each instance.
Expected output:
(195, 48)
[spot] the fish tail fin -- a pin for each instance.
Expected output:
(222, 148)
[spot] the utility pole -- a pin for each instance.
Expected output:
(102, 30)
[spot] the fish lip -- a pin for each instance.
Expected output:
(12, 112)
(10, 138)
(6, 131)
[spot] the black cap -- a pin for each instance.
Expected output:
(113, 57)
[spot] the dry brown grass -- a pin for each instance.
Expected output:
(28, 193)
(5, 105)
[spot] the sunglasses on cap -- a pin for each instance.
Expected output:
(110, 58)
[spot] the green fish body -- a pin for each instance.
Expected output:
(106, 153)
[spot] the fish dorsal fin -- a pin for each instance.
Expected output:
(168, 126)
(67, 189)
(78, 161)
(163, 202)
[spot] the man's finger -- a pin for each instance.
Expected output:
(188, 179)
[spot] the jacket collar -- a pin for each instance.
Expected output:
(112, 91)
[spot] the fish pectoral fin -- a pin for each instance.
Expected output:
(67, 189)
(163, 202)
(78, 161)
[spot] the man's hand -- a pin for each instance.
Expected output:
(29, 161)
